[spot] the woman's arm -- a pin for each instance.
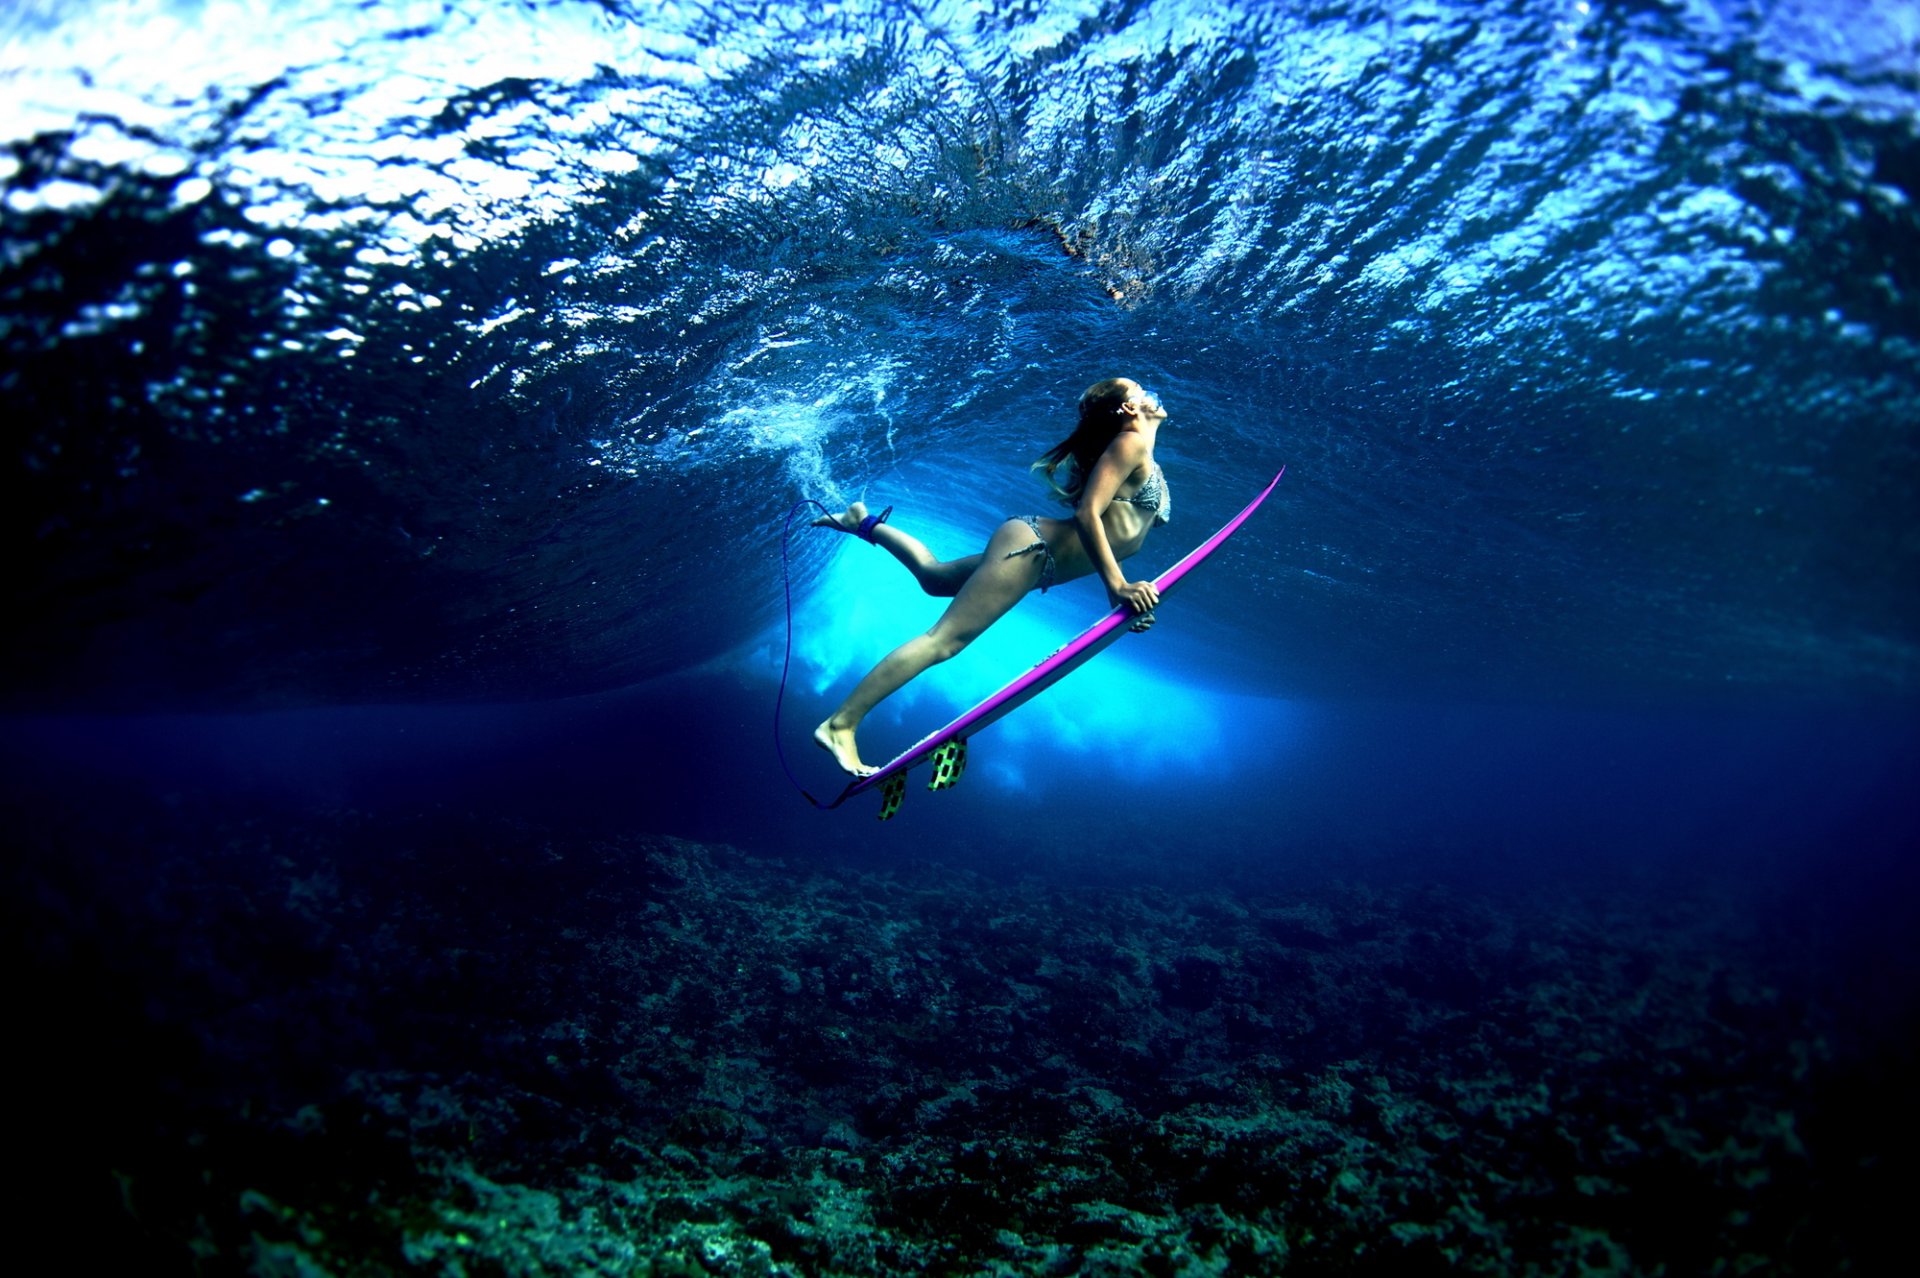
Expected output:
(1126, 454)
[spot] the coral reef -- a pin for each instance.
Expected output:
(359, 1045)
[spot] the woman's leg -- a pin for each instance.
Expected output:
(988, 594)
(940, 578)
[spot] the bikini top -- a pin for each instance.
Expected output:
(1152, 494)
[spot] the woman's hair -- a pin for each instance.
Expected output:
(1102, 414)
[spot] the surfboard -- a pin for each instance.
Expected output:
(945, 746)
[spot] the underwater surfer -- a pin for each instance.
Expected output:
(1118, 495)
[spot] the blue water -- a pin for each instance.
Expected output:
(408, 401)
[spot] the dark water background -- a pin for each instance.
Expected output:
(407, 401)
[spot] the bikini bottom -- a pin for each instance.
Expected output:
(1039, 547)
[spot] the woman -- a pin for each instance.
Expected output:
(1118, 495)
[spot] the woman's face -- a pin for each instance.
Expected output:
(1148, 402)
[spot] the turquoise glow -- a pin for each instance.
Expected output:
(1136, 712)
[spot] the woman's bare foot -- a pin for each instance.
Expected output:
(846, 523)
(838, 742)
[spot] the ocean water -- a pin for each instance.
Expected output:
(1500, 857)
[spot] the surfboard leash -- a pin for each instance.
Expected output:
(786, 660)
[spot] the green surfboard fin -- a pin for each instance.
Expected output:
(891, 793)
(949, 761)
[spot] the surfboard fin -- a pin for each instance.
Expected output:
(891, 793)
(949, 761)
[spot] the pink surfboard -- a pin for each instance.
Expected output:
(1075, 653)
